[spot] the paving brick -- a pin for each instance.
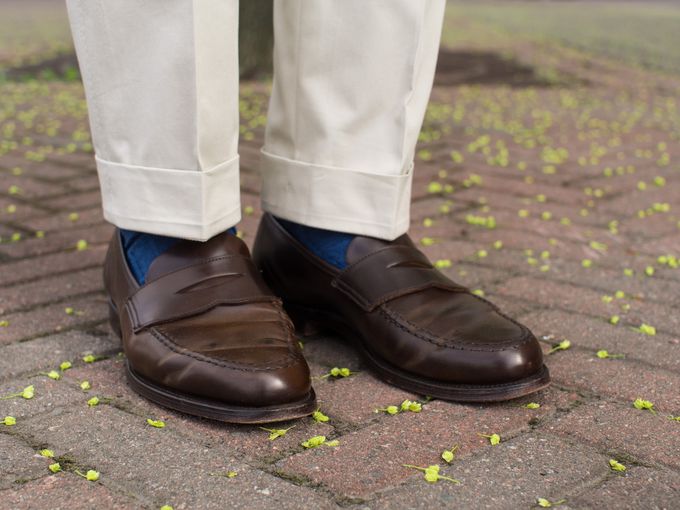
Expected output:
(505, 208)
(46, 265)
(328, 349)
(75, 202)
(370, 459)
(449, 249)
(53, 172)
(28, 189)
(18, 463)
(47, 352)
(53, 318)
(340, 399)
(644, 231)
(21, 209)
(52, 289)
(667, 245)
(86, 182)
(159, 467)
(82, 161)
(49, 395)
(429, 207)
(644, 199)
(564, 263)
(510, 475)
(64, 491)
(58, 241)
(588, 302)
(515, 242)
(661, 287)
(596, 334)
(622, 185)
(620, 429)
(621, 379)
(62, 221)
(640, 487)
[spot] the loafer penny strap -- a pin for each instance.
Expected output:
(389, 273)
(226, 280)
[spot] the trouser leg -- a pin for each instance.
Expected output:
(161, 81)
(351, 84)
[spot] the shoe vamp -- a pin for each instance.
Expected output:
(254, 334)
(455, 317)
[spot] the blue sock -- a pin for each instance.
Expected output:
(142, 249)
(328, 245)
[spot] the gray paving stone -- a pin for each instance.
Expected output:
(18, 462)
(64, 491)
(639, 487)
(160, 467)
(47, 352)
(509, 476)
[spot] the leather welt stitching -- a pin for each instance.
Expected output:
(201, 263)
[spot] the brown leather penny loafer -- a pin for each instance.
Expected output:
(206, 336)
(416, 328)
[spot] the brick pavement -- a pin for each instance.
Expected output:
(581, 176)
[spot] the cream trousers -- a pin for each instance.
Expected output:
(351, 83)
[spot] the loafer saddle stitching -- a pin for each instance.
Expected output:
(188, 266)
(407, 269)
(171, 285)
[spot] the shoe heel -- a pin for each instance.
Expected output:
(303, 320)
(114, 320)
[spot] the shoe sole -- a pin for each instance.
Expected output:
(207, 408)
(304, 317)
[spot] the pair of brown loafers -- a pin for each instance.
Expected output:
(210, 332)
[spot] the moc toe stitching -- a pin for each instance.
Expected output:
(166, 339)
(426, 335)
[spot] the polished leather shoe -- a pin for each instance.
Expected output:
(206, 336)
(416, 328)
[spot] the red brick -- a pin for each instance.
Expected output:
(623, 430)
(53, 319)
(371, 459)
(623, 379)
(581, 300)
(58, 241)
(52, 289)
(640, 487)
(596, 334)
(47, 265)
(511, 475)
(64, 491)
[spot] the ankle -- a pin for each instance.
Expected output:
(328, 245)
(141, 249)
